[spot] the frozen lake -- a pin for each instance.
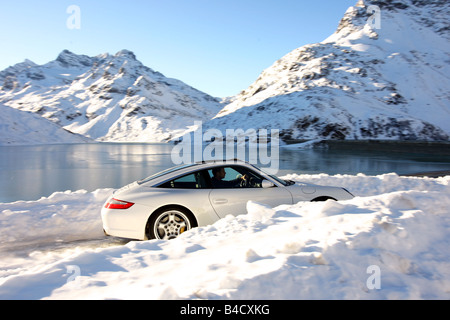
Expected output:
(32, 172)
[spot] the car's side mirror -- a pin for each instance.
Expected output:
(267, 184)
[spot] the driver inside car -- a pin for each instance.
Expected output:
(219, 175)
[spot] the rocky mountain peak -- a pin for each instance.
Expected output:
(389, 4)
(428, 13)
(69, 59)
(126, 53)
(362, 82)
(17, 68)
(106, 97)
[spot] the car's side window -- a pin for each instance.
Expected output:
(232, 177)
(191, 181)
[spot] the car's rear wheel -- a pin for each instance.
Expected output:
(169, 223)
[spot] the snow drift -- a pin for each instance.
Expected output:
(390, 242)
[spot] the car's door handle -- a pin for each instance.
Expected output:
(220, 201)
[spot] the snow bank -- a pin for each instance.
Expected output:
(362, 185)
(64, 216)
(389, 242)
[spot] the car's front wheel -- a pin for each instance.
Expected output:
(168, 223)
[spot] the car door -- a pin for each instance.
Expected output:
(192, 192)
(233, 199)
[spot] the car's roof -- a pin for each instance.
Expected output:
(191, 167)
(221, 162)
(218, 163)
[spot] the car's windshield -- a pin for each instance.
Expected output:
(167, 171)
(283, 182)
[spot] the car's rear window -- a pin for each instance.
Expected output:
(167, 171)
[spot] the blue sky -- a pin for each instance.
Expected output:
(219, 47)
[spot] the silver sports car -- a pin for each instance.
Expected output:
(173, 201)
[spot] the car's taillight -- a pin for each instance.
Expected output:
(118, 204)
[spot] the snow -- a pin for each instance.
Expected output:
(390, 242)
(360, 83)
(106, 98)
(22, 128)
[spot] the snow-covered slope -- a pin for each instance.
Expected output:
(361, 82)
(390, 242)
(21, 128)
(107, 97)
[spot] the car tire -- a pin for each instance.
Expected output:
(169, 222)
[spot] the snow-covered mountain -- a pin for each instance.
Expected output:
(19, 127)
(384, 74)
(106, 98)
